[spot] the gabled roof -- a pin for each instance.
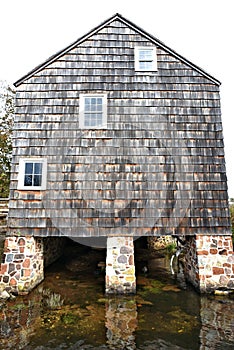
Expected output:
(133, 26)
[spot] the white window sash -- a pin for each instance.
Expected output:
(82, 97)
(137, 51)
(21, 175)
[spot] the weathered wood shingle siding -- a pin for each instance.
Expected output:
(159, 124)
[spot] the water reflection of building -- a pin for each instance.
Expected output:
(17, 323)
(20, 323)
(217, 330)
(121, 323)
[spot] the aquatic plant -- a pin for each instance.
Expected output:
(52, 300)
(69, 318)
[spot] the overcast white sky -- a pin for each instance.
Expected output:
(200, 30)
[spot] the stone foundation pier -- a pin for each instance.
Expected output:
(209, 262)
(120, 266)
(22, 265)
(24, 259)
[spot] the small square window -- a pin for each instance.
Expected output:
(145, 59)
(93, 111)
(32, 174)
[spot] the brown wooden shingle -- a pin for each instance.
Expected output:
(159, 159)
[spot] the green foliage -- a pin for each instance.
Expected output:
(5, 151)
(6, 125)
(171, 248)
(232, 220)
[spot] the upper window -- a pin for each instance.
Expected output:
(32, 174)
(145, 59)
(93, 111)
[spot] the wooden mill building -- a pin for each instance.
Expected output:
(118, 136)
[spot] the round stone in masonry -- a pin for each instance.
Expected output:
(122, 259)
(125, 250)
(11, 268)
(9, 257)
(5, 279)
(21, 241)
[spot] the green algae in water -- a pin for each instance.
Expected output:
(153, 287)
(181, 322)
(175, 326)
(18, 307)
(70, 322)
(69, 318)
(102, 300)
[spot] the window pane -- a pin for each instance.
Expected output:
(87, 117)
(37, 180)
(145, 55)
(93, 120)
(28, 180)
(146, 65)
(99, 108)
(87, 101)
(28, 168)
(87, 108)
(37, 168)
(93, 107)
(99, 121)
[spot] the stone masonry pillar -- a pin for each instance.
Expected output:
(120, 267)
(22, 265)
(209, 262)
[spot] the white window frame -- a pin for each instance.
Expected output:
(21, 176)
(82, 97)
(137, 59)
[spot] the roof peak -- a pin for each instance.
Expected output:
(103, 24)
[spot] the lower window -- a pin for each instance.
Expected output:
(32, 174)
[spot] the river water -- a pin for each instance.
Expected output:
(69, 310)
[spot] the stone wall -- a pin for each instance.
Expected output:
(120, 267)
(53, 249)
(209, 262)
(24, 259)
(158, 243)
(22, 265)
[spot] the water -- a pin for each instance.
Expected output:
(69, 310)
